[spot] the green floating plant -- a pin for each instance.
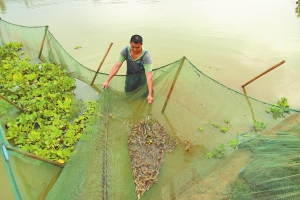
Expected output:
(226, 121)
(217, 152)
(201, 128)
(233, 143)
(224, 129)
(258, 126)
(214, 124)
(278, 109)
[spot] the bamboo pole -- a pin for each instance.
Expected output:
(174, 81)
(278, 64)
(33, 156)
(10, 102)
(248, 101)
(42, 46)
(101, 62)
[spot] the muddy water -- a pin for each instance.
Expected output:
(229, 40)
(232, 41)
(5, 190)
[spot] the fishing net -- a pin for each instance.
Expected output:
(28, 178)
(217, 143)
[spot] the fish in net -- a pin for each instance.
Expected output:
(148, 143)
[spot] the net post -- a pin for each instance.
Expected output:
(248, 101)
(101, 63)
(174, 81)
(10, 102)
(33, 156)
(271, 68)
(42, 46)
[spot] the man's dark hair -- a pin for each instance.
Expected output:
(136, 39)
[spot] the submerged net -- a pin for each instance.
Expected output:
(227, 145)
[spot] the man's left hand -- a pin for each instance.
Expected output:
(150, 99)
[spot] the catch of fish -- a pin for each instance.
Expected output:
(148, 143)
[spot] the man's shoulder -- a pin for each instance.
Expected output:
(146, 52)
(123, 51)
(147, 58)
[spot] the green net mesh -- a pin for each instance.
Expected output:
(227, 145)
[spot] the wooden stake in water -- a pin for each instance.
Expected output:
(101, 63)
(10, 102)
(264, 73)
(42, 46)
(174, 81)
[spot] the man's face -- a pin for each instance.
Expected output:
(136, 48)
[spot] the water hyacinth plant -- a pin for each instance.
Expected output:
(47, 127)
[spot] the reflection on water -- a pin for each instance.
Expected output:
(84, 91)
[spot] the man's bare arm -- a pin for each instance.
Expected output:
(150, 86)
(112, 73)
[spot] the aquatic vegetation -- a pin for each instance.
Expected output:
(217, 152)
(45, 92)
(201, 128)
(279, 108)
(214, 124)
(224, 129)
(258, 126)
(226, 121)
(233, 143)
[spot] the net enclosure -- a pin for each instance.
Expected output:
(198, 140)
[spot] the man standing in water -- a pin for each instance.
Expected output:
(139, 67)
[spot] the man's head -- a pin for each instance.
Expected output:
(136, 43)
(137, 39)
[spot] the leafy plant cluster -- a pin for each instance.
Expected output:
(233, 143)
(217, 152)
(278, 109)
(258, 126)
(47, 127)
(224, 128)
(221, 150)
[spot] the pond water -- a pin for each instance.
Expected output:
(229, 40)
(5, 191)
